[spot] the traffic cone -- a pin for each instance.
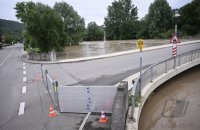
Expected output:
(37, 77)
(52, 112)
(103, 118)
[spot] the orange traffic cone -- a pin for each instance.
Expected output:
(52, 112)
(103, 118)
(37, 77)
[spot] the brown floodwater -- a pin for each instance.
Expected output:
(96, 48)
(175, 105)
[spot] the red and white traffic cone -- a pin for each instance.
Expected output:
(103, 118)
(52, 112)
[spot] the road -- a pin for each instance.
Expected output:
(110, 71)
(174, 105)
(27, 110)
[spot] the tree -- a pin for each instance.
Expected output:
(189, 20)
(44, 27)
(159, 18)
(94, 32)
(121, 22)
(143, 29)
(74, 25)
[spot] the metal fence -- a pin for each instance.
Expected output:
(51, 87)
(158, 69)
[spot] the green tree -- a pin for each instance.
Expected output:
(121, 21)
(94, 32)
(143, 29)
(159, 18)
(43, 26)
(74, 25)
(189, 20)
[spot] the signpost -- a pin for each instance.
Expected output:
(140, 46)
(174, 40)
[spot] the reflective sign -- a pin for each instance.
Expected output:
(140, 44)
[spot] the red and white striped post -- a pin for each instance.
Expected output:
(174, 40)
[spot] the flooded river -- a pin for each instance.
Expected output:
(175, 105)
(96, 48)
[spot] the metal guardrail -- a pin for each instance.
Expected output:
(156, 70)
(51, 87)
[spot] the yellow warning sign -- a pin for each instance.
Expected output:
(140, 44)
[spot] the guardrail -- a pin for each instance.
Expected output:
(51, 87)
(156, 70)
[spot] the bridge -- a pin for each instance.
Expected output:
(156, 75)
(15, 76)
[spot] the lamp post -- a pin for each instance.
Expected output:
(176, 14)
(104, 38)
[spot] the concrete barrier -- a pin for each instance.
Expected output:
(120, 107)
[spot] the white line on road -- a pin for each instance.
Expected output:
(24, 67)
(6, 58)
(21, 108)
(24, 64)
(23, 89)
(24, 79)
(24, 72)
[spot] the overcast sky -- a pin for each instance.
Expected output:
(90, 10)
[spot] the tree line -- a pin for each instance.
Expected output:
(53, 28)
(122, 20)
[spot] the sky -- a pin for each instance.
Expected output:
(90, 10)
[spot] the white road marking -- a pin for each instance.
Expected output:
(23, 89)
(24, 79)
(24, 64)
(24, 72)
(24, 67)
(21, 108)
(6, 58)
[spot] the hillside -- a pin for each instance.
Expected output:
(8, 27)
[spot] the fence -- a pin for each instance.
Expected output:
(51, 56)
(157, 70)
(51, 87)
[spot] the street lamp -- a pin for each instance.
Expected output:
(104, 38)
(176, 14)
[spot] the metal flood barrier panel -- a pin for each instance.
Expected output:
(84, 99)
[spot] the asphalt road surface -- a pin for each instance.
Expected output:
(110, 71)
(24, 102)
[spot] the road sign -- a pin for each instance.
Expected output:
(175, 39)
(140, 44)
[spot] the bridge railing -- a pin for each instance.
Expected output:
(158, 69)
